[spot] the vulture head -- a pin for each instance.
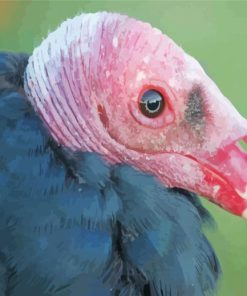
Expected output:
(110, 84)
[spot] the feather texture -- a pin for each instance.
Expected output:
(70, 224)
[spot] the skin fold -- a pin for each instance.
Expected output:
(96, 197)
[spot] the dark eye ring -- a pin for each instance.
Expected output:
(152, 103)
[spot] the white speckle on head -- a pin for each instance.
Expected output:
(146, 59)
(172, 82)
(187, 168)
(140, 76)
(244, 214)
(216, 188)
(162, 136)
(107, 74)
(172, 157)
(242, 194)
(161, 172)
(115, 42)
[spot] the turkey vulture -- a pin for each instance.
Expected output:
(108, 131)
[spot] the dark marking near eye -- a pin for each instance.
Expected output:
(194, 113)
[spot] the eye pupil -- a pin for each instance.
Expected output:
(153, 106)
(152, 103)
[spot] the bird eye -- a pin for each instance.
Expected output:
(152, 103)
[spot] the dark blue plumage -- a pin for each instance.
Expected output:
(72, 225)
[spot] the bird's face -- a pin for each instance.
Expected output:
(154, 107)
(166, 109)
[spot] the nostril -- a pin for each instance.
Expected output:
(242, 144)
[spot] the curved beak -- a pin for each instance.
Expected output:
(226, 172)
(224, 167)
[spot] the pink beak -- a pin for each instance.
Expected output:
(222, 160)
(225, 171)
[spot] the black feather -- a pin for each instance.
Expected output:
(70, 224)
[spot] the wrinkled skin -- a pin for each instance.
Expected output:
(86, 79)
(79, 207)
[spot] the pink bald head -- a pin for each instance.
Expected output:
(87, 80)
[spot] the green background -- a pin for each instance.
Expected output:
(213, 32)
